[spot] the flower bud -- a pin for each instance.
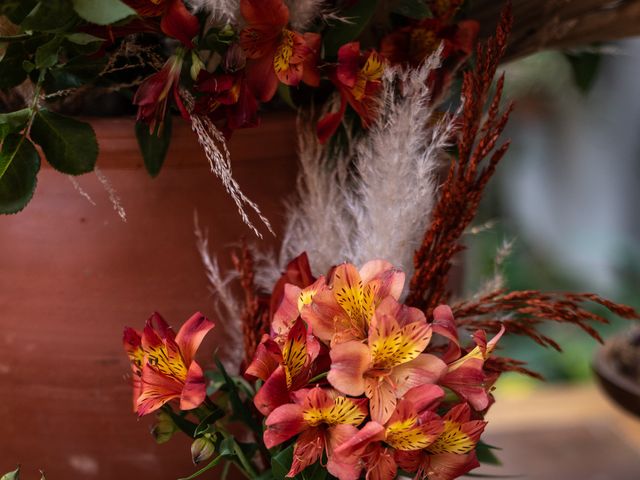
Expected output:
(202, 449)
(164, 428)
(196, 65)
(15, 475)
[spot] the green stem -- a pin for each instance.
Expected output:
(212, 464)
(319, 377)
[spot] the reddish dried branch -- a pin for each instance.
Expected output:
(522, 312)
(468, 174)
(255, 314)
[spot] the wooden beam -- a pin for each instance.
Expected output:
(549, 24)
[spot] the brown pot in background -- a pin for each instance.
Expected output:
(74, 274)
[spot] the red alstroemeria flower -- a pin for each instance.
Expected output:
(152, 95)
(324, 421)
(176, 20)
(412, 44)
(168, 369)
(284, 367)
(228, 99)
(390, 363)
(275, 52)
(413, 426)
(358, 79)
(445, 9)
(465, 375)
(452, 454)
(342, 310)
(297, 273)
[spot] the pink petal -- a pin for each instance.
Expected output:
(344, 467)
(355, 445)
(266, 359)
(307, 451)
(287, 313)
(382, 465)
(391, 279)
(349, 362)
(449, 466)
(425, 368)
(178, 22)
(348, 63)
(382, 399)
(444, 324)
(191, 334)
(261, 78)
(424, 397)
(320, 314)
(284, 422)
(468, 381)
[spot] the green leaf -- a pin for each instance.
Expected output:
(69, 145)
(11, 71)
(205, 426)
(285, 94)
(73, 74)
(102, 12)
(314, 472)
(16, 10)
(485, 454)
(281, 463)
(240, 412)
(211, 464)
(47, 53)
(359, 15)
(417, 9)
(50, 16)
(154, 146)
(80, 38)
(585, 67)
(15, 475)
(13, 122)
(19, 180)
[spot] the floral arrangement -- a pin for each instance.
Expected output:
(379, 371)
(360, 372)
(215, 62)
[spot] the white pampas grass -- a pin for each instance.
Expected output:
(227, 10)
(227, 307)
(114, 198)
(215, 148)
(302, 13)
(373, 198)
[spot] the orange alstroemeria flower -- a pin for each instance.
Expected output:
(452, 454)
(358, 80)
(466, 375)
(176, 20)
(413, 426)
(324, 420)
(390, 363)
(276, 53)
(285, 364)
(342, 310)
(164, 363)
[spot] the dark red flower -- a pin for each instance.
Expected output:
(175, 19)
(275, 52)
(357, 77)
(153, 94)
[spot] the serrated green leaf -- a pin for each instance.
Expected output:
(154, 146)
(50, 16)
(47, 53)
(80, 38)
(11, 71)
(281, 463)
(20, 177)
(13, 122)
(69, 145)
(359, 15)
(102, 12)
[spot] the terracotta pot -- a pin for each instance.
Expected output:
(74, 274)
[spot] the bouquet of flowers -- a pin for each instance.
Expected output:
(358, 372)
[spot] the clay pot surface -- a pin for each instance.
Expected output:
(73, 274)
